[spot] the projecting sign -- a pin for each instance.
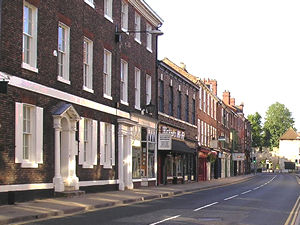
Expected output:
(238, 156)
(164, 141)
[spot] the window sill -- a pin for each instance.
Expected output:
(108, 18)
(28, 67)
(125, 30)
(29, 165)
(89, 3)
(149, 49)
(124, 103)
(138, 41)
(87, 166)
(137, 107)
(88, 89)
(107, 166)
(63, 80)
(107, 96)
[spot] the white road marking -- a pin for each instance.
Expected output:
(246, 192)
(255, 188)
(170, 218)
(230, 197)
(203, 207)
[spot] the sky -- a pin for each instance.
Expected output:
(251, 47)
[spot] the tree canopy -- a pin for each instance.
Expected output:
(278, 120)
(255, 120)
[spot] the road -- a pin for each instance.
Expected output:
(266, 199)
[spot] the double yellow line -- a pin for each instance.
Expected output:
(291, 220)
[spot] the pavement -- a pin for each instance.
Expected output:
(65, 206)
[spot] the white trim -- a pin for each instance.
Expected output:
(89, 3)
(28, 67)
(51, 92)
(97, 182)
(149, 179)
(63, 80)
(137, 180)
(107, 96)
(176, 119)
(124, 103)
(85, 88)
(108, 18)
(25, 187)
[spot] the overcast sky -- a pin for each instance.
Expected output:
(251, 47)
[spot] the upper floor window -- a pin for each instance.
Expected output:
(137, 87)
(208, 104)
(148, 89)
(107, 74)
(204, 100)
(29, 53)
(88, 142)
(29, 135)
(87, 65)
(161, 96)
(187, 108)
(124, 82)
(171, 101)
(179, 104)
(194, 112)
(107, 145)
(90, 3)
(108, 5)
(149, 37)
(200, 97)
(137, 27)
(63, 52)
(124, 16)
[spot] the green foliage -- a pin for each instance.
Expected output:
(256, 129)
(278, 120)
(211, 158)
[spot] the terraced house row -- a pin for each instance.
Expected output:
(85, 105)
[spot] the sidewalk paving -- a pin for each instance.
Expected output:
(45, 208)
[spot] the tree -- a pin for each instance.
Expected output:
(278, 120)
(256, 129)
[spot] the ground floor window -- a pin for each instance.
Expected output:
(136, 162)
(169, 163)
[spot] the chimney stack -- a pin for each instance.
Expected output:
(232, 101)
(241, 107)
(213, 84)
(226, 97)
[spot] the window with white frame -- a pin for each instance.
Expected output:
(63, 52)
(108, 4)
(204, 100)
(202, 133)
(148, 89)
(208, 104)
(28, 135)
(124, 16)
(107, 145)
(137, 88)
(200, 97)
(88, 134)
(87, 65)
(107, 74)
(137, 27)
(212, 108)
(124, 82)
(149, 37)
(29, 53)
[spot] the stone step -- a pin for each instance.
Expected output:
(69, 194)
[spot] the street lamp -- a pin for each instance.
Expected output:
(3, 84)
(118, 34)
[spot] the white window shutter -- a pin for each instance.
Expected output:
(81, 141)
(94, 142)
(102, 136)
(39, 134)
(113, 146)
(19, 133)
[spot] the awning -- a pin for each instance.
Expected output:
(180, 146)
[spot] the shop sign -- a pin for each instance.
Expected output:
(164, 142)
(238, 156)
(213, 144)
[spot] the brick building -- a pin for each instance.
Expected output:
(77, 96)
(177, 124)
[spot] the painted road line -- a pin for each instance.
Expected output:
(293, 214)
(170, 218)
(230, 197)
(246, 192)
(206, 206)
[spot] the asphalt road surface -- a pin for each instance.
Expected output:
(266, 199)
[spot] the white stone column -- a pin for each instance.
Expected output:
(57, 180)
(73, 152)
(121, 158)
(128, 157)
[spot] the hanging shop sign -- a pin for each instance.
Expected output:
(238, 156)
(164, 141)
